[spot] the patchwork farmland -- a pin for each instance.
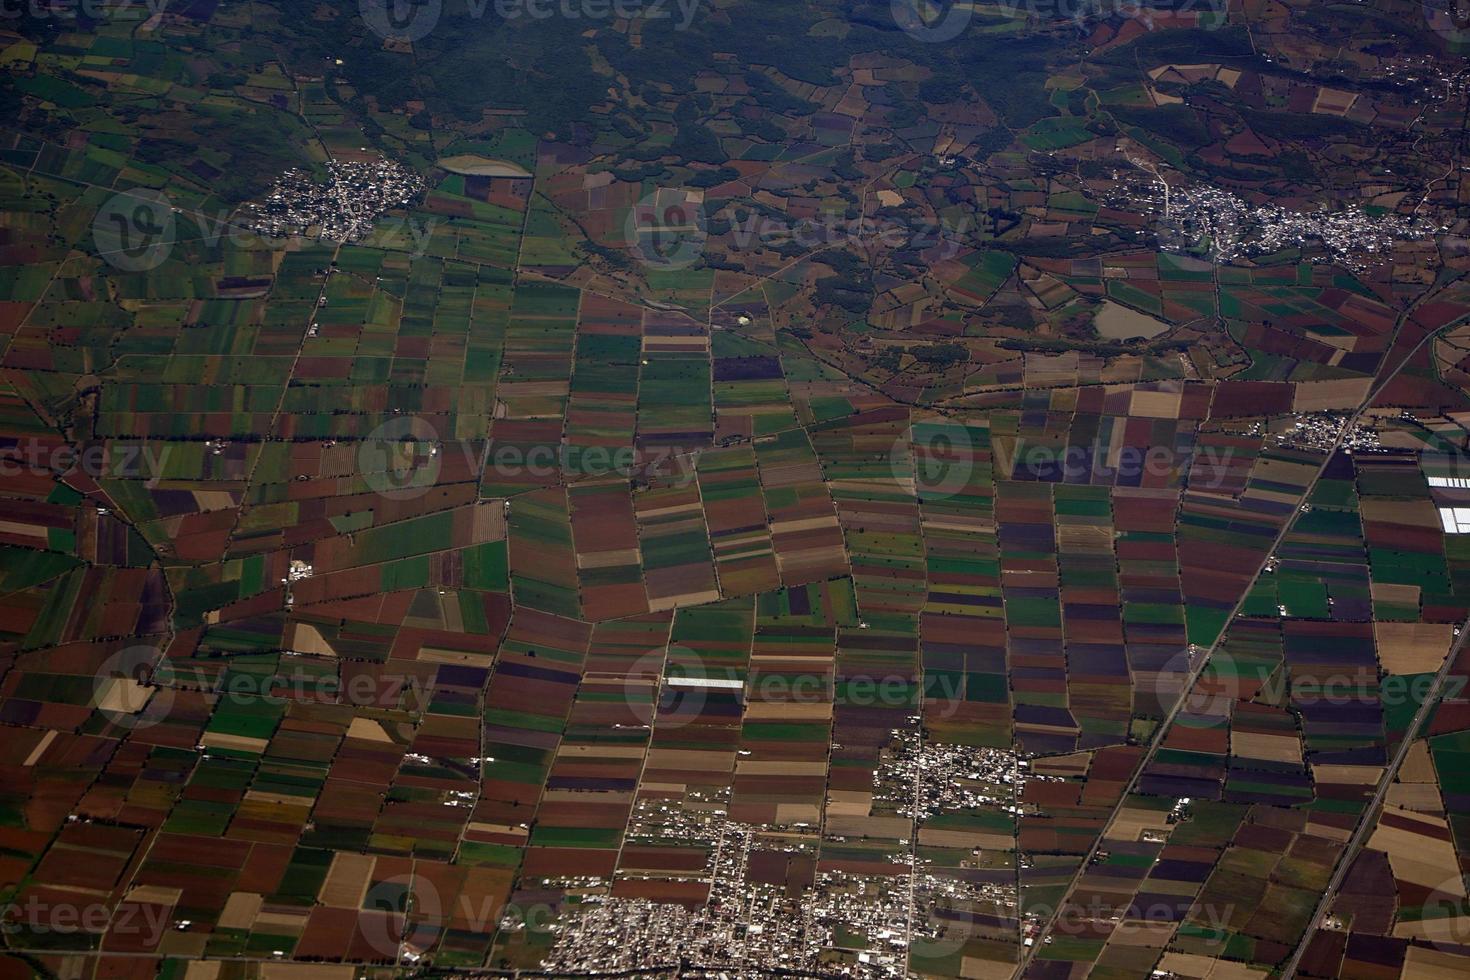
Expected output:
(784, 495)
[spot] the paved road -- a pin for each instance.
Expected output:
(1029, 953)
(1369, 821)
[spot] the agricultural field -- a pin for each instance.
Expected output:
(734, 488)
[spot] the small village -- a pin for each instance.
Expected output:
(341, 209)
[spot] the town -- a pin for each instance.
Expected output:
(844, 924)
(341, 209)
